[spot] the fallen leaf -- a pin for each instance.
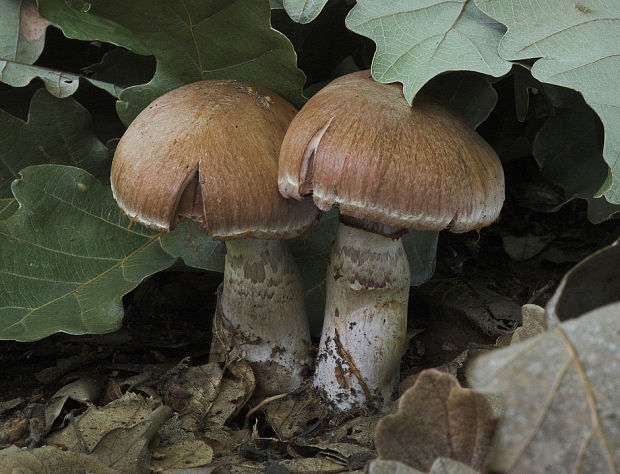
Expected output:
(208, 394)
(126, 449)
(309, 465)
(437, 418)
(182, 455)
(562, 397)
(84, 390)
(293, 416)
(521, 248)
(495, 314)
(236, 389)
(192, 391)
(593, 282)
(359, 430)
(13, 429)
(440, 466)
(533, 317)
(86, 431)
(380, 466)
(351, 455)
(49, 460)
(452, 367)
(8, 405)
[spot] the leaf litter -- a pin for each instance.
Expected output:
(150, 408)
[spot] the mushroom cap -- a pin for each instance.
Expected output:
(358, 144)
(209, 150)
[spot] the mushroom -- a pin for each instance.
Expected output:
(388, 167)
(209, 151)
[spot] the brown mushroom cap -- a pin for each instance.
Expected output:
(209, 150)
(358, 144)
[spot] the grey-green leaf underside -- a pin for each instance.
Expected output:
(561, 397)
(22, 38)
(420, 39)
(303, 11)
(577, 45)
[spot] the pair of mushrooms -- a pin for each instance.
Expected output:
(228, 154)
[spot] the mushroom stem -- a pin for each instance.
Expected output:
(365, 322)
(261, 311)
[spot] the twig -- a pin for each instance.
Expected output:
(537, 293)
(262, 404)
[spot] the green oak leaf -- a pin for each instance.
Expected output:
(470, 93)
(420, 39)
(578, 46)
(7, 207)
(303, 11)
(122, 68)
(189, 242)
(523, 83)
(22, 37)
(421, 248)
(311, 251)
(568, 150)
(22, 32)
(57, 131)
(68, 255)
(191, 41)
(58, 83)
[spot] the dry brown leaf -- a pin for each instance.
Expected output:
(13, 429)
(451, 367)
(126, 449)
(84, 390)
(87, 430)
(440, 466)
(534, 323)
(192, 392)
(49, 460)
(437, 418)
(562, 397)
(309, 465)
(521, 248)
(592, 283)
(208, 394)
(359, 430)
(235, 390)
(292, 416)
(182, 455)
(380, 466)
(492, 312)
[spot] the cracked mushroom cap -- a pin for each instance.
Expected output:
(358, 144)
(209, 151)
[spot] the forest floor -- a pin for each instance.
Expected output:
(100, 394)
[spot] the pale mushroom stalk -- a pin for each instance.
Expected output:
(261, 279)
(363, 336)
(208, 151)
(388, 167)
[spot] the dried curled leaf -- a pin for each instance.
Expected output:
(440, 466)
(562, 397)
(437, 418)
(593, 282)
